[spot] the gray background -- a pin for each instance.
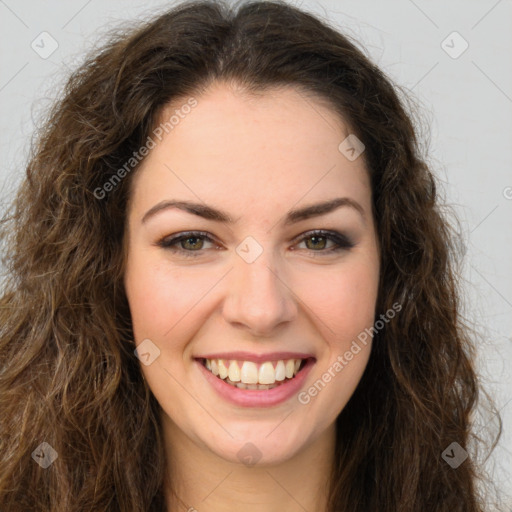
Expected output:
(466, 103)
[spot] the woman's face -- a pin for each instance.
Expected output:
(256, 285)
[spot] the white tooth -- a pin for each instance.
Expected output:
(297, 364)
(280, 371)
(290, 367)
(267, 375)
(208, 364)
(234, 371)
(249, 373)
(223, 371)
(214, 368)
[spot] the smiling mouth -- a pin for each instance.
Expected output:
(252, 376)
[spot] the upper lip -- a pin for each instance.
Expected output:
(256, 358)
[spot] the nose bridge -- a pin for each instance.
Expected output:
(257, 296)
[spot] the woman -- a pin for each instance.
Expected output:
(230, 284)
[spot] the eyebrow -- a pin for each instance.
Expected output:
(292, 217)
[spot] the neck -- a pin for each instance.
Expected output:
(198, 479)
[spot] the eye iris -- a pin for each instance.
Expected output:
(186, 240)
(315, 244)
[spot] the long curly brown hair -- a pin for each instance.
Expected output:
(69, 375)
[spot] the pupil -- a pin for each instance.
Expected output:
(315, 240)
(191, 238)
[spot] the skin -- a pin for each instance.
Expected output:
(255, 157)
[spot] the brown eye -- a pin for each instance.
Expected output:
(193, 242)
(317, 241)
(187, 244)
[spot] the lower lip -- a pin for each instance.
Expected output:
(258, 397)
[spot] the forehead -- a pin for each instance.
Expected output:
(280, 143)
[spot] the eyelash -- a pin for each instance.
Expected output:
(341, 241)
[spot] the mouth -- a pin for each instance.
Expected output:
(253, 376)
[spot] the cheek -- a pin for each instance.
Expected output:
(345, 302)
(160, 296)
(164, 305)
(149, 296)
(344, 308)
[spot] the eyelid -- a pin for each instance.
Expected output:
(183, 235)
(341, 241)
(339, 238)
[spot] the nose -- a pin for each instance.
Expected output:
(258, 298)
